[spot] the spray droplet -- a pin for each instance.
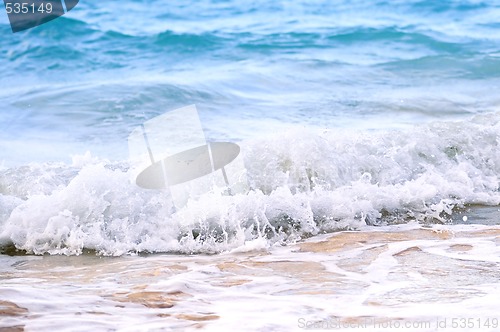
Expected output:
(464, 218)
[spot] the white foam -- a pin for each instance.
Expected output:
(303, 183)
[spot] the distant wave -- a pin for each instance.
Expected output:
(73, 43)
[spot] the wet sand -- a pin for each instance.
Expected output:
(381, 278)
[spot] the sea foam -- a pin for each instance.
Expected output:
(302, 182)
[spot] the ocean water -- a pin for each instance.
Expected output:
(370, 136)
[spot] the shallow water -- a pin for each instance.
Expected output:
(421, 278)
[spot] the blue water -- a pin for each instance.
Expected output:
(257, 70)
(86, 79)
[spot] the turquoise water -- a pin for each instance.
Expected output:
(89, 77)
(348, 113)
